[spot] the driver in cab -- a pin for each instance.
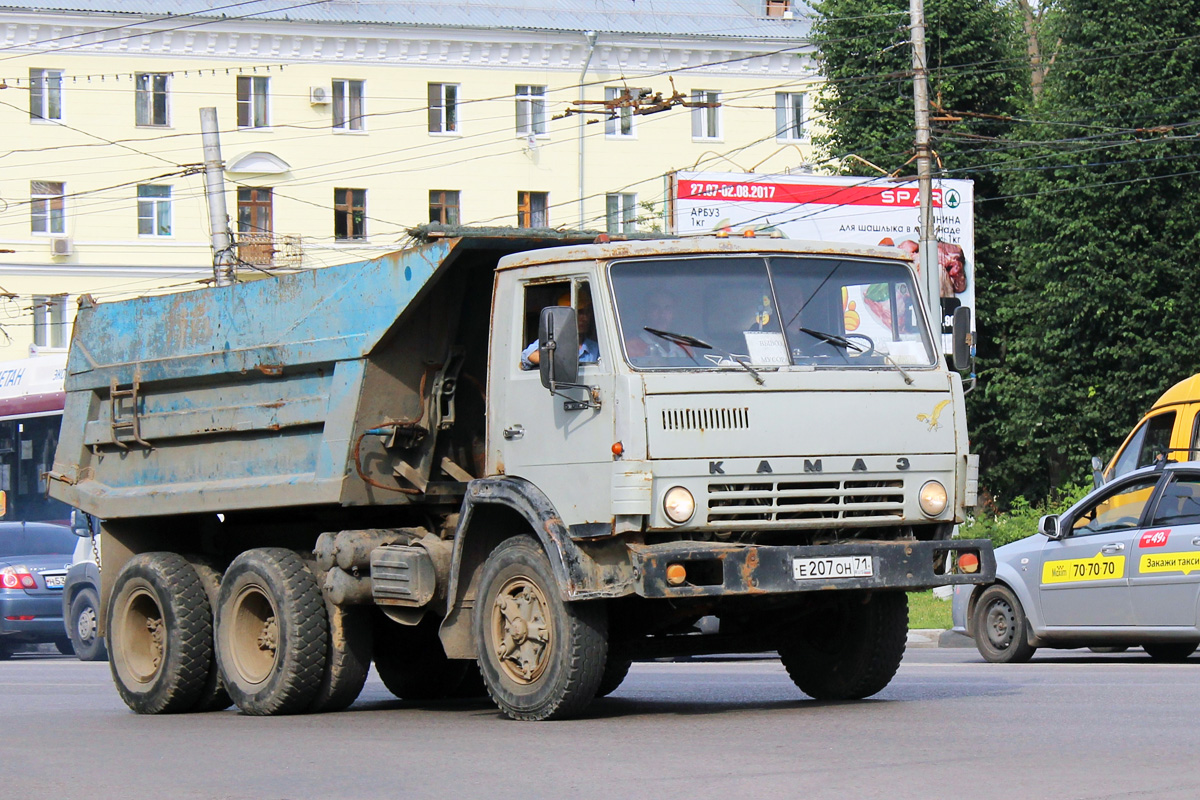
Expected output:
(589, 348)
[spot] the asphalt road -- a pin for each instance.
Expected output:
(1068, 725)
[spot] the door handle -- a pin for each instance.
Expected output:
(1109, 549)
(514, 432)
(1196, 541)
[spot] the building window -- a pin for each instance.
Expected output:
(532, 209)
(621, 213)
(349, 213)
(789, 116)
(45, 94)
(256, 243)
(50, 320)
(706, 121)
(443, 108)
(778, 8)
(154, 210)
(531, 110)
(252, 101)
(620, 123)
(348, 105)
(48, 207)
(443, 207)
(151, 98)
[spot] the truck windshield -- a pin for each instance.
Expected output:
(768, 311)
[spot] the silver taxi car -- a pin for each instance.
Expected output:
(1120, 568)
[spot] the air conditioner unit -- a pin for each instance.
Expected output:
(60, 246)
(318, 96)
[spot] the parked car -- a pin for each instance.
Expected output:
(1120, 568)
(81, 592)
(34, 557)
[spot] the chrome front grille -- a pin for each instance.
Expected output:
(770, 504)
(705, 419)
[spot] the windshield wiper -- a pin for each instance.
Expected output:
(844, 343)
(691, 341)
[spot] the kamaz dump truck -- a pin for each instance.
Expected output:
(515, 463)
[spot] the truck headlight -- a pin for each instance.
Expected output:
(679, 504)
(932, 498)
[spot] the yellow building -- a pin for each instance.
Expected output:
(343, 124)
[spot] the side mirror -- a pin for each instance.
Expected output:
(1097, 472)
(81, 523)
(1048, 526)
(961, 336)
(558, 346)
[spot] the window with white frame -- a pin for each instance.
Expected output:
(50, 320)
(45, 93)
(47, 207)
(789, 116)
(706, 119)
(154, 210)
(252, 100)
(348, 105)
(443, 108)
(531, 110)
(620, 121)
(150, 93)
(621, 212)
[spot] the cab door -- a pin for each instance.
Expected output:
(564, 449)
(1085, 575)
(1165, 571)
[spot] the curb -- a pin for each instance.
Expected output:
(933, 637)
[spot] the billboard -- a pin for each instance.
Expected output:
(879, 210)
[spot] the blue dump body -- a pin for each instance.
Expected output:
(251, 396)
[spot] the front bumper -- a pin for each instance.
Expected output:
(717, 570)
(46, 610)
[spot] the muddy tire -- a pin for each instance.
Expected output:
(214, 697)
(851, 651)
(272, 632)
(159, 634)
(83, 623)
(614, 675)
(347, 659)
(411, 661)
(1001, 628)
(541, 658)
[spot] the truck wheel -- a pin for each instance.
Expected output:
(159, 634)
(1001, 627)
(1170, 651)
(272, 632)
(214, 697)
(614, 675)
(83, 624)
(347, 660)
(541, 658)
(850, 652)
(411, 661)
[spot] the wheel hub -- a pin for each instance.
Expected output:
(1000, 625)
(85, 626)
(520, 631)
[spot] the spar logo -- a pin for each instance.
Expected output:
(1156, 538)
(952, 199)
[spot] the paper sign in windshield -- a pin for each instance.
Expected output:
(766, 348)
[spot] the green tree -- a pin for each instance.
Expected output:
(1103, 241)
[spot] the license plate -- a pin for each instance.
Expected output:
(55, 581)
(804, 569)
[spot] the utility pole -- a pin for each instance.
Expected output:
(928, 254)
(214, 190)
(590, 36)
